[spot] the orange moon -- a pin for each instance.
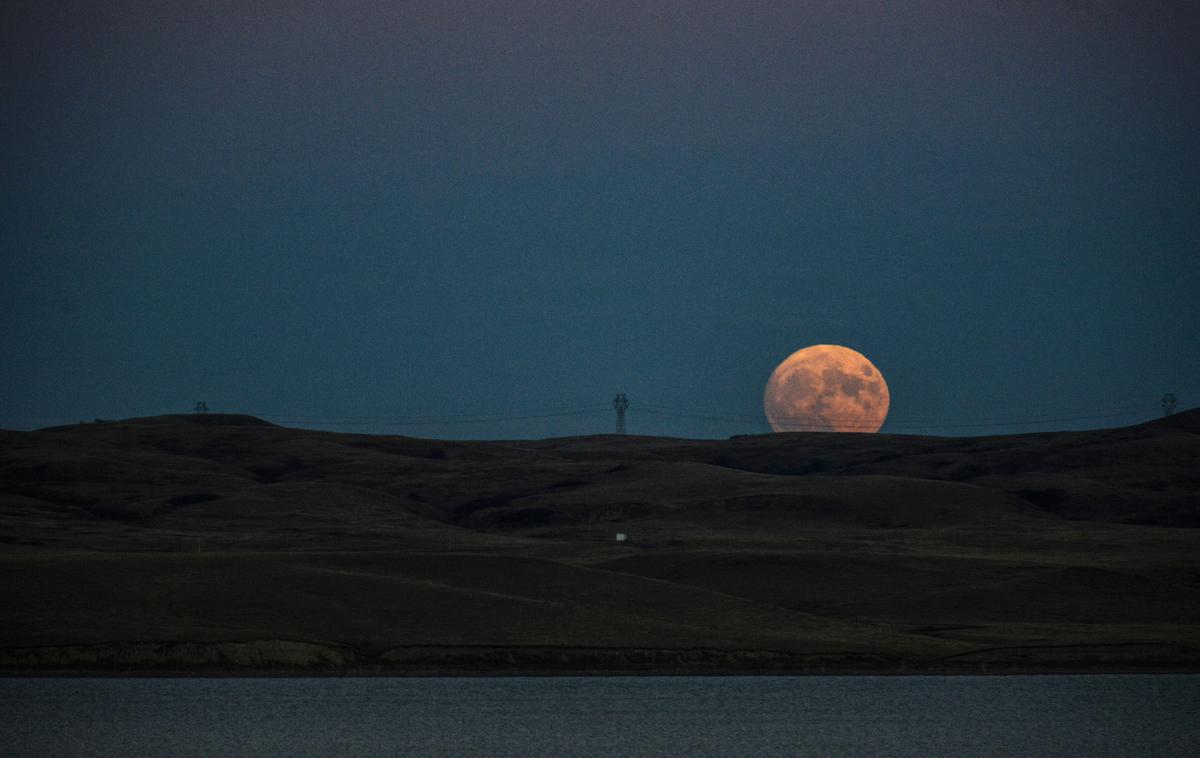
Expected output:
(826, 388)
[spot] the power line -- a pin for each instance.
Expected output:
(436, 417)
(1045, 416)
(430, 420)
(383, 420)
(848, 422)
(668, 411)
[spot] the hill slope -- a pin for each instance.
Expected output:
(225, 541)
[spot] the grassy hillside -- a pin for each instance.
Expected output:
(226, 543)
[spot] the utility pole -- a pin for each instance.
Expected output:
(1168, 403)
(620, 402)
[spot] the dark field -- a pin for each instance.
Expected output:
(223, 543)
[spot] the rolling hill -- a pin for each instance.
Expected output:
(225, 543)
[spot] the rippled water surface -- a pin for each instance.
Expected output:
(642, 716)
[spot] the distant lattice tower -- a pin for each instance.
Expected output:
(1168, 403)
(620, 402)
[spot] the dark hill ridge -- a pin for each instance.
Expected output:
(183, 470)
(896, 550)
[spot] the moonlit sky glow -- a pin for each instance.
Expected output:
(484, 219)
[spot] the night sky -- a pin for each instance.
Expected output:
(453, 219)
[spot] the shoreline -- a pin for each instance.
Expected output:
(582, 674)
(564, 673)
(294, 658)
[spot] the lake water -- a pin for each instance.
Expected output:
(1113, 715)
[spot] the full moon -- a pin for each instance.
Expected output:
(826, 388)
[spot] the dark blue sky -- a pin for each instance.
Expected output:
(353, 215)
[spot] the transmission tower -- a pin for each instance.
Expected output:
(1168, 403)
(620, 402)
